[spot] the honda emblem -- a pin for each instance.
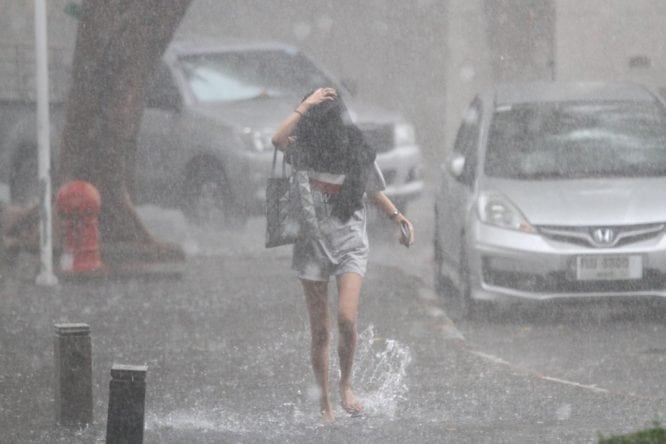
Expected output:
(603, 236)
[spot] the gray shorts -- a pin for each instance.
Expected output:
(339, 248)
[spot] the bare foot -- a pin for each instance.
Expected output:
(327, 415)
(349, 401)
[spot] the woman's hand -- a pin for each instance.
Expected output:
(406, 229)
(283, 136)
(317, 97)
(404, 225)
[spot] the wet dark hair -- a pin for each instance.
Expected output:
(329, 142)
(324, 131)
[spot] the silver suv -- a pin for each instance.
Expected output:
(204, 143)
(554, 191)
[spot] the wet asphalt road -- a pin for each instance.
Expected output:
(226, 348)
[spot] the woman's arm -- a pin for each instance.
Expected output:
(283, 135)
(384, 203)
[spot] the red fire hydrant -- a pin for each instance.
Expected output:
(78, 204)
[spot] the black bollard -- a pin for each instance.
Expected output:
(73, 363)
(127, 395)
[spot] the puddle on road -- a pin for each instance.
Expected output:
(380, 373)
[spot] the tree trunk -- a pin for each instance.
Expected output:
(118, 44)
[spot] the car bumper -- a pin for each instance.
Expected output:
(510, 265)
(402, 168)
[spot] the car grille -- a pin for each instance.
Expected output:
(380, 137)
(602, 236)
(563, 282)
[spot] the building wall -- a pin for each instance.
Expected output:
(17, 47)
(468, 66)
(424, 58)
(597, 38)
(495, 41)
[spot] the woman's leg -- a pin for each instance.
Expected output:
(349, 292)
(316, 298)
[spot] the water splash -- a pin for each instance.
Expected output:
(380, 374)
(381, 369)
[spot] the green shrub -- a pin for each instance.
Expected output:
(654, 435)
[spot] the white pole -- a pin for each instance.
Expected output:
(46, 276)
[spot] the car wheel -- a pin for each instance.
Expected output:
(442, 284)
(207, 199)
(23, 182)
(457, 301)
(471, 308)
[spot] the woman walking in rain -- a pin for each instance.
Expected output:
(321, 139)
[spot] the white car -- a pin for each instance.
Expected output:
(554, 190)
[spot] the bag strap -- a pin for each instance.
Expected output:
(284, 166)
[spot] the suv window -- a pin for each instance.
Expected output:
(246, 75)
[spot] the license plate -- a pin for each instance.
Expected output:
(608, 268)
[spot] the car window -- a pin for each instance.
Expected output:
(247, 75)
(577, 140)
(466, 143)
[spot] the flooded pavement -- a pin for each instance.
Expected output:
(226, 347)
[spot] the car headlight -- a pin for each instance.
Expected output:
(257, 140)
(403, 134)
(496, 209)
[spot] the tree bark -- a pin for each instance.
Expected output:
(118, 44)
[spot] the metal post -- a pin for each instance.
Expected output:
(46, 276)
(127, 395)
(73, 364)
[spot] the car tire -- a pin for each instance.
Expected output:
(207, 199)
(457, 303)
(442, 283)
(477, 310)
(455, 299)
(23, 181)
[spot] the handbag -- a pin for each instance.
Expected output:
(282, 208)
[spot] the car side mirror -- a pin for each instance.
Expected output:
(456, 166)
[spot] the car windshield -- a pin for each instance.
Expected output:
(247, 75)
(577, 140)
